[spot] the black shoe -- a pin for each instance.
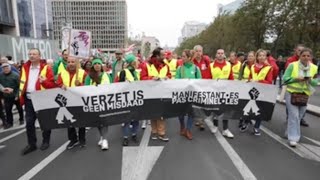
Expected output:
(134, 139)
(244, 128)
(44, 146)
(82, 144)
(304, 123)
(125, 142)
(28, 149)
(21, 122)
(72, 144)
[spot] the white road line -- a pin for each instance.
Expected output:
(36, 169)
(300, 150)
(12, 129)
(12, 135)
(235, 158)
(312, 140)
(2, 146)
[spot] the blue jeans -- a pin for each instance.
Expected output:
(189, 122)
(295, 114)
(134, 130)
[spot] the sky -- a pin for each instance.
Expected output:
(164, 19)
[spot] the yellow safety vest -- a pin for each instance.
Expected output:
(218, 73)
(66, 78)
(129, 76)
(236, 70)
(172, 66)
(152, 71)
(246, 73)
(23, 79)
(104, 80)
(300, 87)
(262, 74)
(61, 68)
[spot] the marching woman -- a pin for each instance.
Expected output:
(245, 70)
(130, 74)
(95, 77)
(187, 71)
(299, 76)
(261, 72)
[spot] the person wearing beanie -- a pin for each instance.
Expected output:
(187, 71)
(95, 77)
(130, 74)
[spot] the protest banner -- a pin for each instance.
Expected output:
(92, 106)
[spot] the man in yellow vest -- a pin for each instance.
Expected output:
(35, 75)
(156, 69)
(221, 69)
(172, 63)
(73, 76)
(235, 64)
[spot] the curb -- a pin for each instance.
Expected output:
(312, 109)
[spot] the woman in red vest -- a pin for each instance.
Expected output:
(261, 72)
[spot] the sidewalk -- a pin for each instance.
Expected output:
(312, 109)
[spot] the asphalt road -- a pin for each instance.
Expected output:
(207, 156)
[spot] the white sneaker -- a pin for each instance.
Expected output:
(144, 124)
(105, 145)
(100, 142)
(227, 133)
(293, 143)
(214, 129)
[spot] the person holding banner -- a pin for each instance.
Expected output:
(72, 77)
(95, 77)
(187, 71)
(300, 77)
(130, 74)
(245, 71)
(156, 69)
(221, 69)
(35, 75)
(203, 63)
(235, 64)
(172, 63)
(261, 72)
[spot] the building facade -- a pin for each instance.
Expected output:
(230, 8)
(190, 29)
(106, 19)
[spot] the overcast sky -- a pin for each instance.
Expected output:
(164, 19)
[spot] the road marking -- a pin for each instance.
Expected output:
(235, 158)
(2, 146)
(137, 162)
(302, 150)
(36, 169)
(312, 140)
(12, 129)
(12, 135)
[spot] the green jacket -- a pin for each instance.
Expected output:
(114, 75)
(288, 80)
(188, 71)
(57, 64)
(87, 81)
(10, 80)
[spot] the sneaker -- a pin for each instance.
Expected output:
(256, 132)
(227, 133)
(104, 145)
(28, 149)
(163, 138)
(144, 124)
(44, 146)
(197, 123)
(292, 143)
(82, 144)
(100, 142)
(125, 142)
(244, 128)
(214, 129)
(154, 136)
(201, 127)
(72, 144)
(134, 138)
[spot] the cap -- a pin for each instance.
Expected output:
(5, 64)
(130, 58)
